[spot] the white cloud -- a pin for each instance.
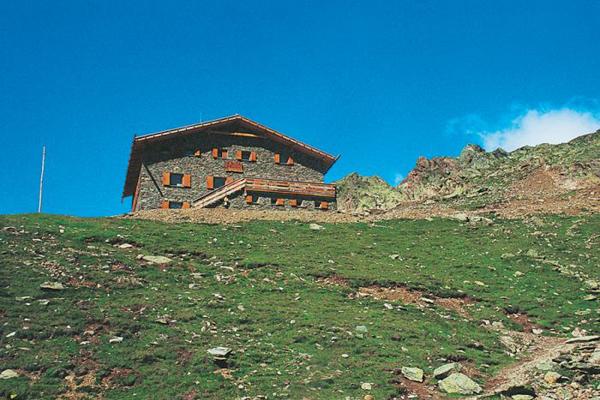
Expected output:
(534, 127)
(398, 177)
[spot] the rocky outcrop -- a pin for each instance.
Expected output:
(359, 194)
(477, 178)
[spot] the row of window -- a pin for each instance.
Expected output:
(250, 199)
(278, 201)
(172, 179)
(243, 155)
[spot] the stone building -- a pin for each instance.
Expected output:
(229, 162)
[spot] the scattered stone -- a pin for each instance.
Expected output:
(546, 366)
(460, 384)
(125, 246)
(219, 352)
(368, 397)
(394, 256)
(462, 217)
(156, 259)
(443, 371)
(366, 386)
(413, 373)
(316, 227)
(532, 253)
(361, 329)
(9, 374)
(116, 339)
(583, 339)
(521, 397)
(52, 286)
(551, 377)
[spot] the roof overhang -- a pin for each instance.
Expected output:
(140, 143)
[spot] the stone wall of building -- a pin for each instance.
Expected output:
(177, 156)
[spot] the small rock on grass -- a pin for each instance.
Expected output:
(52, 286)
(444, 370)
(412, 373)
(156, 259)
(316, 227)
(366, 386)
(460, 384)
(9, 374)
(219, 351)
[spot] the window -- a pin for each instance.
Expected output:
(277, 202)
(176, 204)
(250, 199)
(243, 155)
(283, 159)
(218, 152)
(176, 180)
(323, 205)
(219, 181)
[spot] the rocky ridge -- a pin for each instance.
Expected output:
(480, 180)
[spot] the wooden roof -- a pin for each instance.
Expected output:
(141, 143)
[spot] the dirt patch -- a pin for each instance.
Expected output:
(334, 280)
(184, 356)
(419, 389)
(522, 320)
(412, 296)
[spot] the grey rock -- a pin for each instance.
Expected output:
(444, 370)
(156, 259)
(219, 352)
(9, 374)
(316, 227)
(413, 373)
(583, 339)
(52, 286)
(460, 384)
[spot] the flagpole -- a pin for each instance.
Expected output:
(42, 179)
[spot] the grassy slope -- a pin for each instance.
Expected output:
(287, 330)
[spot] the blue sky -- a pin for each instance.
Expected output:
(380, 83)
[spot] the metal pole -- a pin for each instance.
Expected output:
(42, 179)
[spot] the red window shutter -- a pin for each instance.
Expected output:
(166, 178)
(215, 153)
(186, 182)
(249, 199)
(186, 204)
(290, 161)
(324, 205)
(253, 156)
(293, 202)
(279, 202)
(277, 158)
(238, 155)
(197, 153)
(228, 180)
(210, 182)
(164, 204)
